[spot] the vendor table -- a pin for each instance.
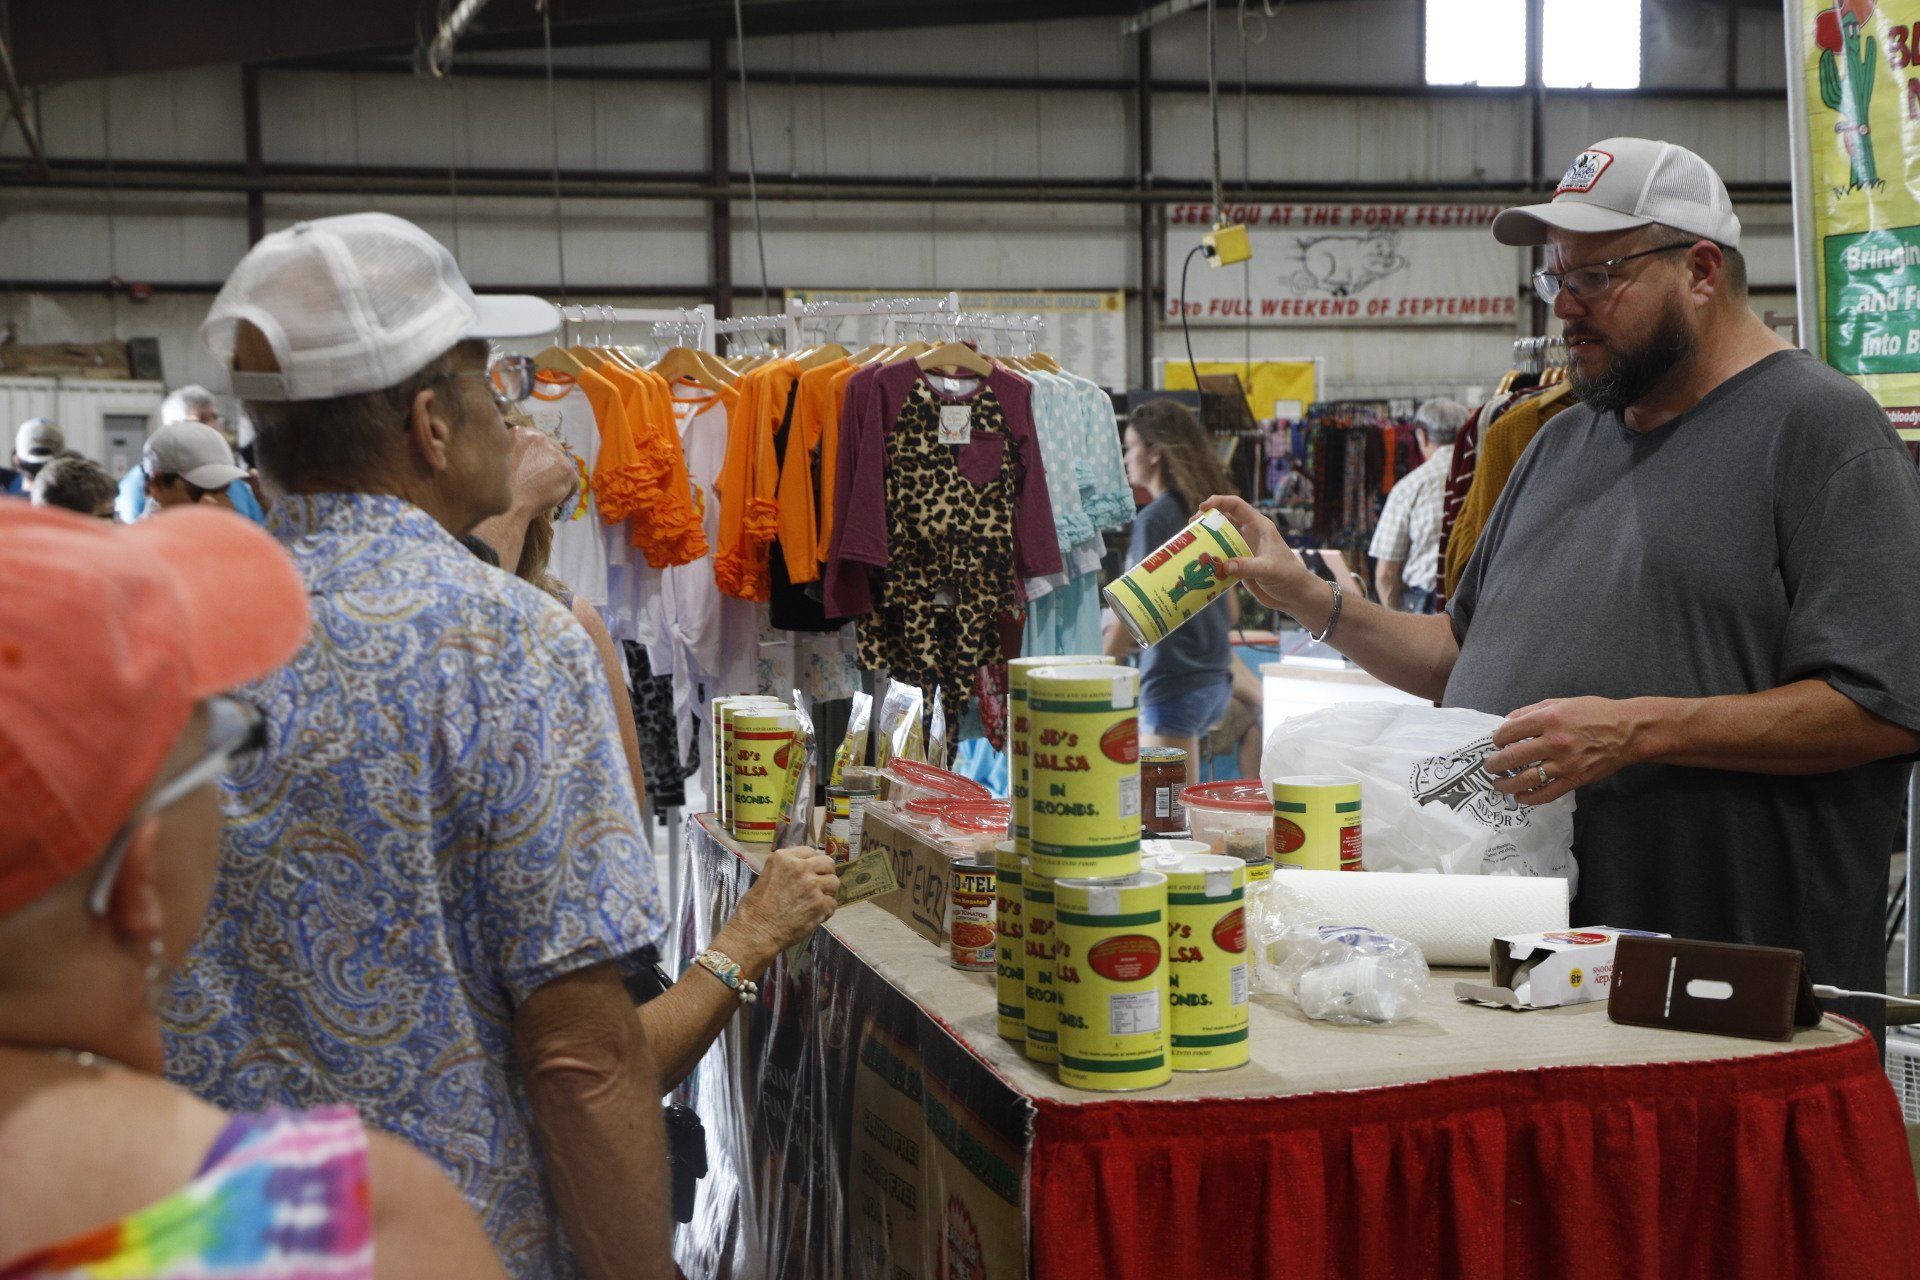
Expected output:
(865, 1120)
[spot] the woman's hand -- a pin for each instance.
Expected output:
(539, 472)
(1274, 572)
(795, 894)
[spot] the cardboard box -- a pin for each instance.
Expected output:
(1545, 970)
(922, 865)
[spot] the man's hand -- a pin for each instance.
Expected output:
(796, 892)
(539, 472)
(1274, 572)
(1571, 742)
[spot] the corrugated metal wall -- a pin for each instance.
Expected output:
(1010, 135)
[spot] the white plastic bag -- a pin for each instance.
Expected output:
(1427, 804)
(1354, 975)
(1278, 919)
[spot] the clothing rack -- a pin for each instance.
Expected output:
(977, 322)
(912, 310)
(887, 310)
(1537, 355)
(687, 326)
(785, 325)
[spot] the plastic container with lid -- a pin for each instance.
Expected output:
(925, 812)
(910, 780)
(974, 825)
(1215, 808)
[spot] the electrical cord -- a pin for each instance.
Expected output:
(1836, 993)
(1213, 110)
(1185, 331)
(553, 128)
(753, 183)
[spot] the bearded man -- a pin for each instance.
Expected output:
(1697, 602)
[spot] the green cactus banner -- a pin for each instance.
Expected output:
(1859, 180)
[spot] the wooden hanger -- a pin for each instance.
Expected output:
(956, 355)
(1044, 363)
(685, 362)
(825, 353)
(558, 360)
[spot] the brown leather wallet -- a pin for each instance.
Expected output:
(1722, 988)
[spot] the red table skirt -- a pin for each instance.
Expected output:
(1786, 1165)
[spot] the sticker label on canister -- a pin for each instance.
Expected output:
(1043, 998)
(1010, 960)
(1018, 722)
(763, 754)
(970, 915)
(1084, 753)
(1316, 823)
(1186, 574)
(1207, 962)
(1110, 967)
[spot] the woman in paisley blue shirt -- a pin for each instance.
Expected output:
(797, 889)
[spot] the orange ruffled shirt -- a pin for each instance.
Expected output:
(665, 524)
(749, 482)
(814, 408)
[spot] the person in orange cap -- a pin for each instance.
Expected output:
(119, 645)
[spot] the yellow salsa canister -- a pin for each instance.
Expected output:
(1084, 758)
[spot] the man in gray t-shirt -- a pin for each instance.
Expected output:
(1697, 601)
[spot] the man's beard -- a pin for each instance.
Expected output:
(1630, 374)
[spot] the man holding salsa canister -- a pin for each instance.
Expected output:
(1696, 601)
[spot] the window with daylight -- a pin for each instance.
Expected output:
(1479, 42)
(1591, 44)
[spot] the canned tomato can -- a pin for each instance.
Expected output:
(1316, 823)
(1163, 774)
(1185, 575)
(1109, 965)
(1043, 1000)
(1018, 670)
(970, 907)
(846, 810)
(1010, 959)
(763, 755)
(1084, 756)
(1208, 977)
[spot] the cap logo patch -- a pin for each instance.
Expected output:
(1584, 172)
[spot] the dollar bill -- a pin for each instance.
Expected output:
(868, 876)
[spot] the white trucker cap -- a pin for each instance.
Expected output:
(38, 439)
(193, 451)
(1624, 183)
(356, 303)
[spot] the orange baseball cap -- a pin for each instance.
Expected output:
(112, 635)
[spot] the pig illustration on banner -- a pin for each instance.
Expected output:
(1344, 266)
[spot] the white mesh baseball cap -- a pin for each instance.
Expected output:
(356, 303)
(1624, 183)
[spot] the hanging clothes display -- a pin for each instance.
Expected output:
(1539, 373)
(664, 761)
(749, 482)
(1087, 485)
(704, 632)
(560, 407)
(1500, 446)
(945, 492)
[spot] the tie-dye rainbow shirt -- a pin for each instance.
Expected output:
(282, 1196)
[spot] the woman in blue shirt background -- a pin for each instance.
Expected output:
(1186, 680)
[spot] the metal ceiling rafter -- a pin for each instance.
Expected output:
(17, 106)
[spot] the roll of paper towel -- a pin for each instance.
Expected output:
(1452, 919)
